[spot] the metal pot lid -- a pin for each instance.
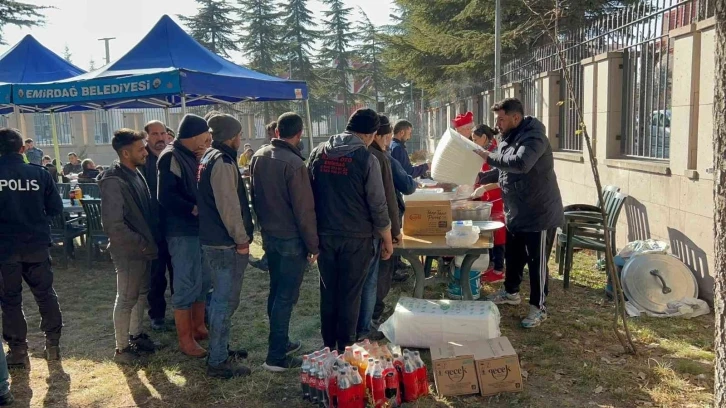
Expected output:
(653, 280)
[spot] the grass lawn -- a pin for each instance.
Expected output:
(573, 360)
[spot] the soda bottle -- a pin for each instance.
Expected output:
(326, 350)
(359, 388)
(79, 192)
(398, 366)
(304, 378)
(313, 381)
(422, 374)
(391, 378)
(344, 397)
(322, 386)
(410, 382)
(369, 374)
(333, 388)
(348, 355)
(379, 385)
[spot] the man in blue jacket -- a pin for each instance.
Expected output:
(28, 199)
(401, 134)
(532, 205)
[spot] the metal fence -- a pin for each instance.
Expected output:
(640, 31)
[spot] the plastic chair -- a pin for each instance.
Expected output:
(65, 231)
(588, 230)
(63, 189)
(95, 236)
(90, 189)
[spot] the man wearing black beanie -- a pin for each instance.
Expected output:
(351, 209)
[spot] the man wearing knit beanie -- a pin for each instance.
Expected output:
(351, 209)
(225, 233)
(177, 169)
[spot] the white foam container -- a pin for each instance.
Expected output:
(455, 161)
(423, 323)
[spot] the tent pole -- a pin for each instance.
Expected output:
(184, 105)
(310, 124)
(56, 148)
(166, 116)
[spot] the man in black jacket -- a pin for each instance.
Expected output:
(178, 168)
(131, 227)
(156, 142)
(350, 204)
(285, 209)
(225, 234)
(532, 204)
(28, 198)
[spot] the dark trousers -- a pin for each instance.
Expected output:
(287, 261)
(343, 265)
(157, 284)
(35, 269)
(531, 249)
(385, 280)
(498, 257)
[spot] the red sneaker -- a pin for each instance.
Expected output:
(492, 276)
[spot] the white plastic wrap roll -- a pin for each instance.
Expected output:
(455, 160)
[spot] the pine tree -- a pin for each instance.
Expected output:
(91, 64)
(19, 14)
(261, 35)
(213, 26)
(298, 39)
(67, 54)
(369, 53)
(335, 51)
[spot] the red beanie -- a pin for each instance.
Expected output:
(463, 119)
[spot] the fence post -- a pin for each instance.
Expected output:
(609, 104)
(684, 120)
(589, 104)
(547, 105)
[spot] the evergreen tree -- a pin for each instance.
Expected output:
(335, 51)
(91, 64)
(213, 27)
(369, 53)
(261, 35)
(67, 54)
(298, 39)
(449, 44)
(19, 14)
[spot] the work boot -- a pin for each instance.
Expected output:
(200, 330)
(228, 369)
(129, 356)
(52, 350)
(18, 358)
(6, 399)
(144, 343)
(187, 344)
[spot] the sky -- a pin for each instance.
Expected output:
(80, 23)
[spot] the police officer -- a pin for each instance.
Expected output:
(28, 198)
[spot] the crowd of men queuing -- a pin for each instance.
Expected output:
(180, 204)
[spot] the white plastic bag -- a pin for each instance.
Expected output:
(455, 161)
(423, 323)
(648, 246)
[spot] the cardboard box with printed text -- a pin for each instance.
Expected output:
(427, 218)
(454, 369)
(497, 366)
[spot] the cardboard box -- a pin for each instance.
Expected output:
(454, 370)
(497, 366)
(427, 218)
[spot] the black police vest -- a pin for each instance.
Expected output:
(340, 198)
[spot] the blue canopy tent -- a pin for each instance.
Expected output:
(166, 69)
(31, 62)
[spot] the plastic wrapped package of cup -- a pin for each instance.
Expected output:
(462, 234)
(454, 160)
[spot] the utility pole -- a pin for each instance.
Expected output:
(108, 49)
(498, 52)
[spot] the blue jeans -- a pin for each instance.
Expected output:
(192, 278)
(368, 298)
(4, 375)
(287, 259)
(228, 270)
